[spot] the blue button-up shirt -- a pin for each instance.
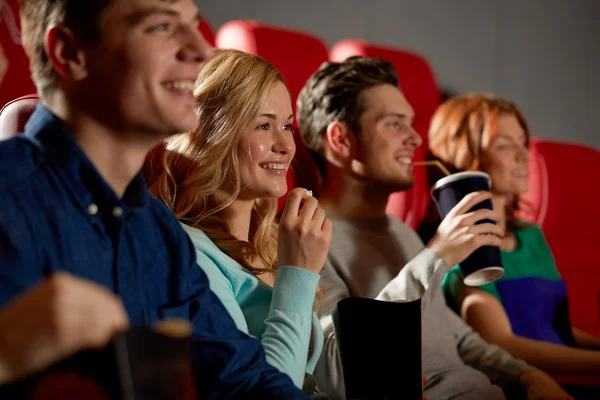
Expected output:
(58, 213)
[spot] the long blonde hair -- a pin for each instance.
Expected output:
(197, 174)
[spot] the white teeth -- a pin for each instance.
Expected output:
(180, 86)
(405, 160)
(274, 166)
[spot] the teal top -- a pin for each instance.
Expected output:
(531, 291)
(281, 317)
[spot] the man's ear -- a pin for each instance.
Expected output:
(340, 140)
(65, 53)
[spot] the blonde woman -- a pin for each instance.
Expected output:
(222, 181)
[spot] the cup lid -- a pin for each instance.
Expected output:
(460, 175)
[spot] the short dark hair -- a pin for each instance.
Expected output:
(333, 94)
(81, 16)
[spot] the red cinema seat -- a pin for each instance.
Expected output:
(562, 197)
(15, 114)
(418, 84)
(273, 44)
(207, 31)
(15, 79)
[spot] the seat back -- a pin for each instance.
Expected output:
(15, 114)
(270, 42)
(418, 84)
(207, 31)
(15, 79)
(562, 198)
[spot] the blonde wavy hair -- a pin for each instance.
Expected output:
(197, 174)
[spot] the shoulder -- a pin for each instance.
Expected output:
(213, 260)
(403, 231)
(19, 160)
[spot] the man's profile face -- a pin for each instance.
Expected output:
(387, 141)
(141, 75)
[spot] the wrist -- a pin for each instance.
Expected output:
(442, 252)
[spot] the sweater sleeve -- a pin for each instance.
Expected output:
(421, 278)
(289, 323)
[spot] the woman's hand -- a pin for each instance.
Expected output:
(304, 232)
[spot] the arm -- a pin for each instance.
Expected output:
(228, 363)
(486, 315)
(421, 278)
(585, 340)
(69, 313)
(288, 324)
(496, 363)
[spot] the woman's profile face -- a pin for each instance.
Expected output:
(267, 148)
(506, 157)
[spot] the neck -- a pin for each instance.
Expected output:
(499, 202)
(345, 196)
(237, 217)
(118, 156)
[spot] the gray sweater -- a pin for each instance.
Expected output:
(383, 258)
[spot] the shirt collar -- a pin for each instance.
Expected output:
(75, 169)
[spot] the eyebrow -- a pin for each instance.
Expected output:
(141, 15)
(401, 116)
(522, 136)
(273, 116)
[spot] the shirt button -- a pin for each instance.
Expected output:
(92, 209)
(117, 212)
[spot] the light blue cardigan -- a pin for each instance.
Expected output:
(281, 316)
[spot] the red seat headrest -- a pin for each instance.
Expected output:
(15, 114)
(271, 42)
(207, 31)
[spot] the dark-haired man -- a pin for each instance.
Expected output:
(357, 123)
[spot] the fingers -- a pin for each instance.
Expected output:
(487, 229)
(308, 209)
(318, 218)
(469, 201)
(292, 205)
(472, 217)
(87, 310)
(486, 235)
(327, 228)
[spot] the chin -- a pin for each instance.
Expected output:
(405, 183)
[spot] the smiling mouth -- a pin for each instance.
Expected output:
(181, 86)
(404, 160)
(273, 166)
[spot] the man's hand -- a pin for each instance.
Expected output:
(459, 235)
(540, 386)
(54, 320)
